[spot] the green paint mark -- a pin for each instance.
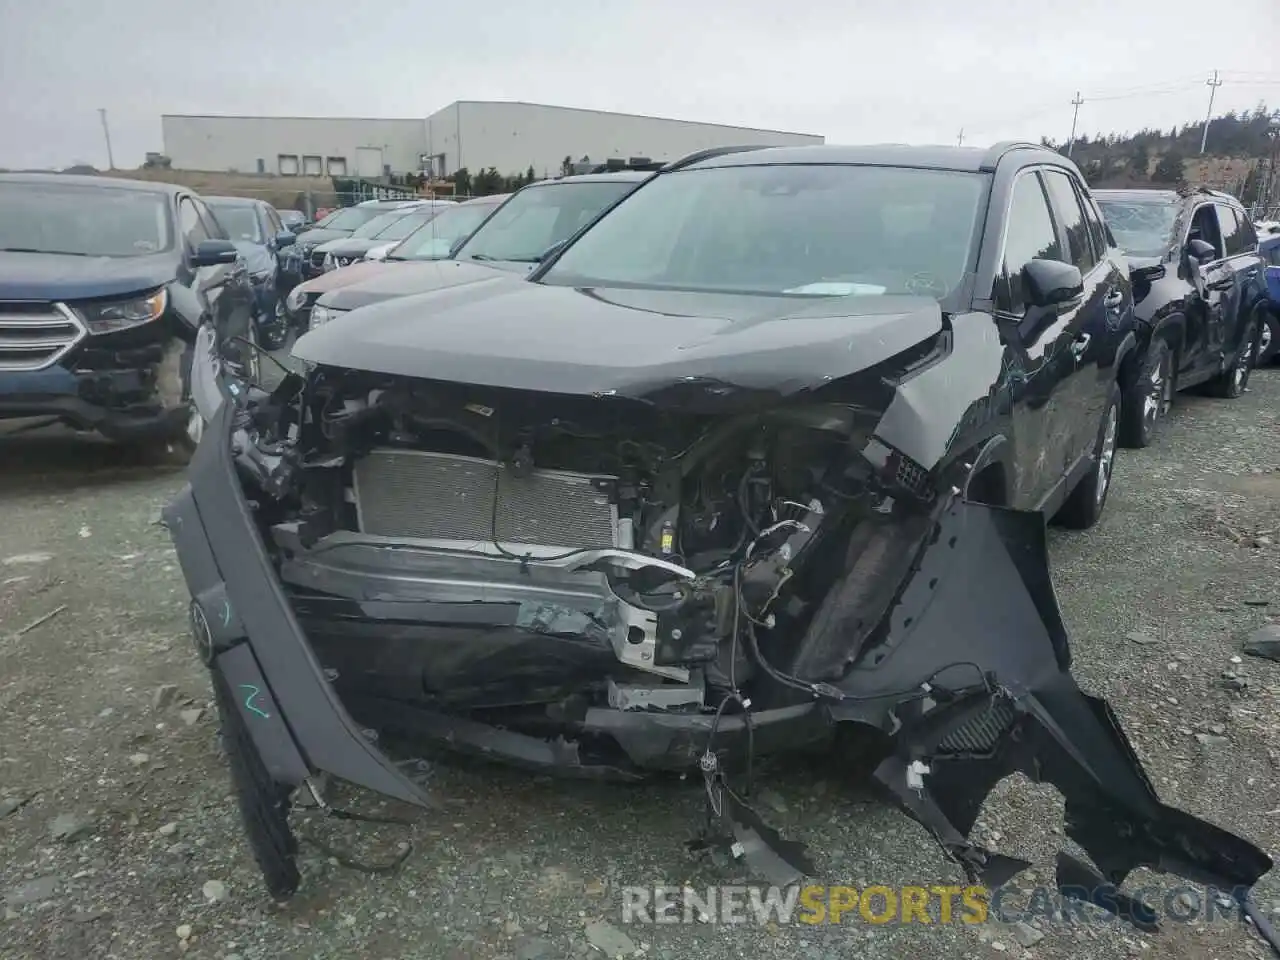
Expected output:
(248, 701)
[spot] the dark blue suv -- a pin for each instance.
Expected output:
(104, 283)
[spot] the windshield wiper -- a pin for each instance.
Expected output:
(61, 253)
(481, 256)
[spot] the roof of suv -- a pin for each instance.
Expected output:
(967, 159)
(1139, 194)
(88, 180)
(234, 201)
(633, 176)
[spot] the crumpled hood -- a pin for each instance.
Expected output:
(505, 331)
(53, 276)
(409, 277)
(257, 258)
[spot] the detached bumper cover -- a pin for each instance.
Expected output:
(982, 601)
(237, 595)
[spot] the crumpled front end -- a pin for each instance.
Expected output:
(610, 589)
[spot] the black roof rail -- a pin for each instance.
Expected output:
(709, 154)
(998, 150)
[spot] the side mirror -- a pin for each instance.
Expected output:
(1201, 252)
(1049, 283)
(285, 239)
(213, 253)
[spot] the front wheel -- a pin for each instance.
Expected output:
(1084, 505)
(1269, 337)
(1148, 398)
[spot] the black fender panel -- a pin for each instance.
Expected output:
(222, 531)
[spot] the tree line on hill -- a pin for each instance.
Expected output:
(1125, 159)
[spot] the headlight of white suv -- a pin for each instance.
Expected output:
(297, 297)
(113, 315)
(322, 315)
(329, 262)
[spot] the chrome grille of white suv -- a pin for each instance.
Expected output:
(36, 334)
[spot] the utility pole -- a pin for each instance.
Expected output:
(960, 138)
(1075, 115)
(1213, 83)
(106, 133)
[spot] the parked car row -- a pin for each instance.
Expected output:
(509, 232)
(661, 471)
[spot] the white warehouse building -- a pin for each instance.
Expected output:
(511, 137)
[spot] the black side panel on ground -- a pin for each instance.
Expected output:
(327, 735)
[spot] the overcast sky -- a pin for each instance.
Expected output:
(851, 70)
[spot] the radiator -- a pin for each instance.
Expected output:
(450, 499)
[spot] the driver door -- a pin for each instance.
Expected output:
(1039, 356)
(1214, 281)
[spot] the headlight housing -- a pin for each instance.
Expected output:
(109, 316)
(322, 315)
(329, 262)
(296, 299)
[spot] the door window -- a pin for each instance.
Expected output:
(189, 222)
(211, 225)
(1029, 235)
(1066, 205)
(1204, 226)
(1232, 231)
(1250, 234)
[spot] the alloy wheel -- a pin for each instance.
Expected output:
(1159, 395)
(1241, 372)
(195, 425)
(1107, 455)
(1264, 339)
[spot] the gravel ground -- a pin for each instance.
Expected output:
(126, 843)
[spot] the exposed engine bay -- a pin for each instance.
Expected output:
(697, 549)
(606, 587)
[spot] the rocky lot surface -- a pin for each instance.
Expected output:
(119, 837)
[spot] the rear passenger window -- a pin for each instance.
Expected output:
(1067, 207)
(1204, 226)
(191, 225)
(1232, 234)
(1097, 229)
(1029, 235)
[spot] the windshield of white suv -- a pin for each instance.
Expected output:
(240, 221)
(375, 226)
(434, 240)
(540, 216)
(85, 221)
(349, 218)
(1142, 228)
(799, 230)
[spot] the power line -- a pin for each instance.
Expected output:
(1213, 84)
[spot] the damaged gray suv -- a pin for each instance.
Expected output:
(760, 460)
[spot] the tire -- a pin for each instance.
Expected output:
(1233, 382)
(264, 804)
(1147, 400)
(1269, 341)
(1085, 503)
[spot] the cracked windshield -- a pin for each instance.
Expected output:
(558, 481)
